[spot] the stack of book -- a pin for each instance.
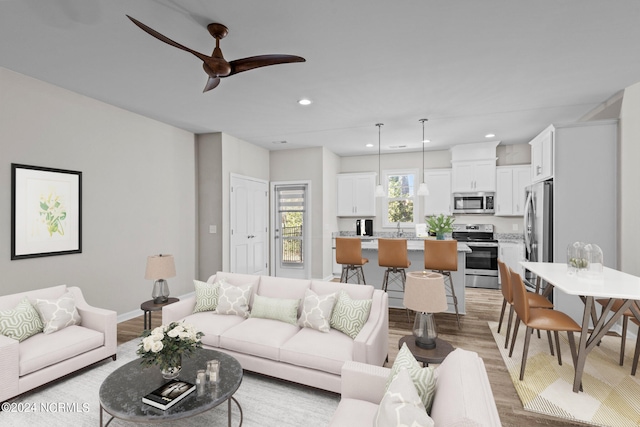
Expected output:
(168, 394)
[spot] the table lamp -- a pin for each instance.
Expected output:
(424, 293)
(159, 268)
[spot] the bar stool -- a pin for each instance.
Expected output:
(442, 256)
(349, 254)
(392, 254)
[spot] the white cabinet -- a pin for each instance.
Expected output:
(439, 199)
(474, 176)
(511, 253)
(542, 155)
(356, 194)
(511, 182)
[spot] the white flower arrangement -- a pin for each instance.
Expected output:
(165, 345)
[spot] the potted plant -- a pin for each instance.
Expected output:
(440, 224)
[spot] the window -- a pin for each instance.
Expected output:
(400, 187)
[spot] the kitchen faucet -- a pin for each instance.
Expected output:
(399, 233)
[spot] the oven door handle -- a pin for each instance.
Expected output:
(482, 245)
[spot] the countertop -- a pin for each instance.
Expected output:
(413, 243)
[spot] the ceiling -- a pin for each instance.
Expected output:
(471, 67)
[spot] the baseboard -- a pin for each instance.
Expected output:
(136, 313)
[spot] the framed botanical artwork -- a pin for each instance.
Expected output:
(46, 212)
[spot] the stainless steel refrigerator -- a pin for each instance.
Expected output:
(538, 225)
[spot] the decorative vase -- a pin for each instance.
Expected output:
(439, 236)
(172, 366)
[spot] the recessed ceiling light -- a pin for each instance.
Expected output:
(426, 141)
(490, 135)
(369, 145)
(304, 101)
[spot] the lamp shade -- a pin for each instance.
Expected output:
(160, 267)
(424, 292)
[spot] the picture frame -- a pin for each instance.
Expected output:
(46, 211)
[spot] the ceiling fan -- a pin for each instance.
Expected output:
(215, 65)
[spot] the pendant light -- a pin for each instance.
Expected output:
(423, 190)
(379, 188)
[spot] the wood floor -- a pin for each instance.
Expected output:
(482, 305)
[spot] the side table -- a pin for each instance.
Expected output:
(434, 355)
(149, 306)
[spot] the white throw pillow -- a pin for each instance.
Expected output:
(423, 378)
(206, 296)
(233, 299)
(401, 406)
(316, 310)
(58, 314)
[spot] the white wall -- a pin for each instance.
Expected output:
(331, 167)
(209, 158)
(138, 198)
(629, 180)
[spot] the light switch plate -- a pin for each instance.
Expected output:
(213, 229)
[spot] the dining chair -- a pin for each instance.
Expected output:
(539, 318)
(442, 256)
(535, 300)
(625, 322)
(636, 353)
(349, 254)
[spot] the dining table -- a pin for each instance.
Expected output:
(611, 284)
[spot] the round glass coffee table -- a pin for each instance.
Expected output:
(122, 391)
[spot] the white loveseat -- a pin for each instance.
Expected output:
(43, 358)
(463, 395)
(283, 350)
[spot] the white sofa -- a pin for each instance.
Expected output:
(43, 358)
(463, 394)
(283, 350)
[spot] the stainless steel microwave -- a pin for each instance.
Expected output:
(473, 203)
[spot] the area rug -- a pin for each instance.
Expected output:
(611, 396)
(265, 402)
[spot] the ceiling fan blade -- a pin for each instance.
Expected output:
(246, 64)
(167, 40)
(212, 83)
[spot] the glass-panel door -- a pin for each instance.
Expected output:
(290, 245)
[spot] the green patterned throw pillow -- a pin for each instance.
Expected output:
(423, 378)
(206, 296)
(350, 315)
(284, 310)
(401, 405)
(316, 310)
(59, 313)
(233, 299)
(20, 322)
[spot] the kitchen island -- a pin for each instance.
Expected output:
(374, 274)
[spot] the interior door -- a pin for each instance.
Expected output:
(249, 225)
(291, 243)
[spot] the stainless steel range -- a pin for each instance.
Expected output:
(482, 261)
